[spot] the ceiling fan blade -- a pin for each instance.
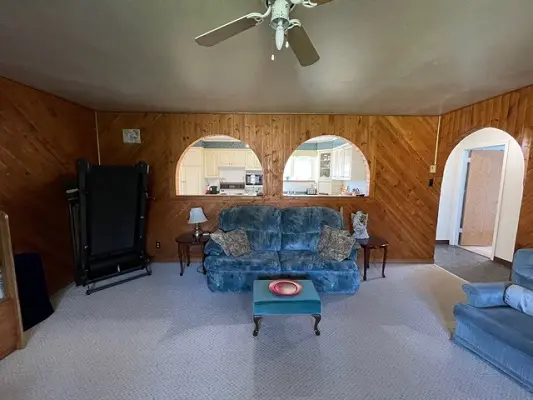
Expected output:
(302, 46)
(226, 31)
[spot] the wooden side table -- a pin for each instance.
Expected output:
(373, 242)
(185, 242)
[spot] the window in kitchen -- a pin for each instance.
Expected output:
(326, 165)
(219, 165)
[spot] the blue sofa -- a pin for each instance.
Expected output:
(284, 243)
(499, 334)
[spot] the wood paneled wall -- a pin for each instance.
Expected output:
(41, 136)
(11, 330)
(402, 206)
(512, 113)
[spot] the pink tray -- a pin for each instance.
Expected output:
(285, 287)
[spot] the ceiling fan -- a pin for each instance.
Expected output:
(288, 31)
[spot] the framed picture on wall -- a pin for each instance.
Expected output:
(131, 135)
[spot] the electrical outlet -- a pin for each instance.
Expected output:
(432, 169)
(157, 245)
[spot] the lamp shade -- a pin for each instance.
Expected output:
(197, 216)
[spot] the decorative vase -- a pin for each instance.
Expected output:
(359, 222)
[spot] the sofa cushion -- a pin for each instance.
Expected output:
(237, 243)
(219, 238)
(504, 323)
(261, 224)
(523, 268)
(520, 299)
(267, 261)
(337, 245)
(301, 226)
(305, 260)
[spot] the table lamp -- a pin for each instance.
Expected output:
(196, 217)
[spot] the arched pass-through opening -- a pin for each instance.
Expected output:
(327, 166)
(219, 166)
(481, 195)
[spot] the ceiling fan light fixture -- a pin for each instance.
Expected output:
(280, 22)
(280, 35)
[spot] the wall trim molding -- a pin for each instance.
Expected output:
(442, 242)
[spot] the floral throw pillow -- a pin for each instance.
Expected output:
(234, 243)
(220, 238)
(237, 242)
(335, 244)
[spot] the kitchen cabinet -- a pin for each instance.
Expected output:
(211, 164)
(213, 159)
(329, 187)
(224, 158)
(347, 163)
(252, 162)
(191, 180)
(342, 163)
(231, 158)
(238, 158)
(193, 157)
(324, 165)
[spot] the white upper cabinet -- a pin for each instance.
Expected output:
(238, 158)
(224, 158)
(213, 159)
(252, 162)
(193, 157)
(342, 163)
(211, 163)
(232, 158)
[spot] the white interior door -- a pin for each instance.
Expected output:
(481, 197)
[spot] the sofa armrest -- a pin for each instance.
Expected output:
(353, 254)
(483, 295)
(212, 248)
(522, 273)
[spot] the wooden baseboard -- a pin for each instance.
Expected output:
(503, 262)
(442, 242)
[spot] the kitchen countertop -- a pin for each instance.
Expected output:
(235, 194)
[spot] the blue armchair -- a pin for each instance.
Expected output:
(497, 333)
(284, 243)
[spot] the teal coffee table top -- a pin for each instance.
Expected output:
(267, 303)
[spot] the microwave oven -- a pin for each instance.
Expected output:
(254, 179)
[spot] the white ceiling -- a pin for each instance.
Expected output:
(378, 56)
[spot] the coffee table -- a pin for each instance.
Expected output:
(307, 302)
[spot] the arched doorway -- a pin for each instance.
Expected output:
(326, 165)
(481, 195)
(219, 165)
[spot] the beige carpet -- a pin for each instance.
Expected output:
(440, 290)
(166, 337)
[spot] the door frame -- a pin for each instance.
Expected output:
(462, 189)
